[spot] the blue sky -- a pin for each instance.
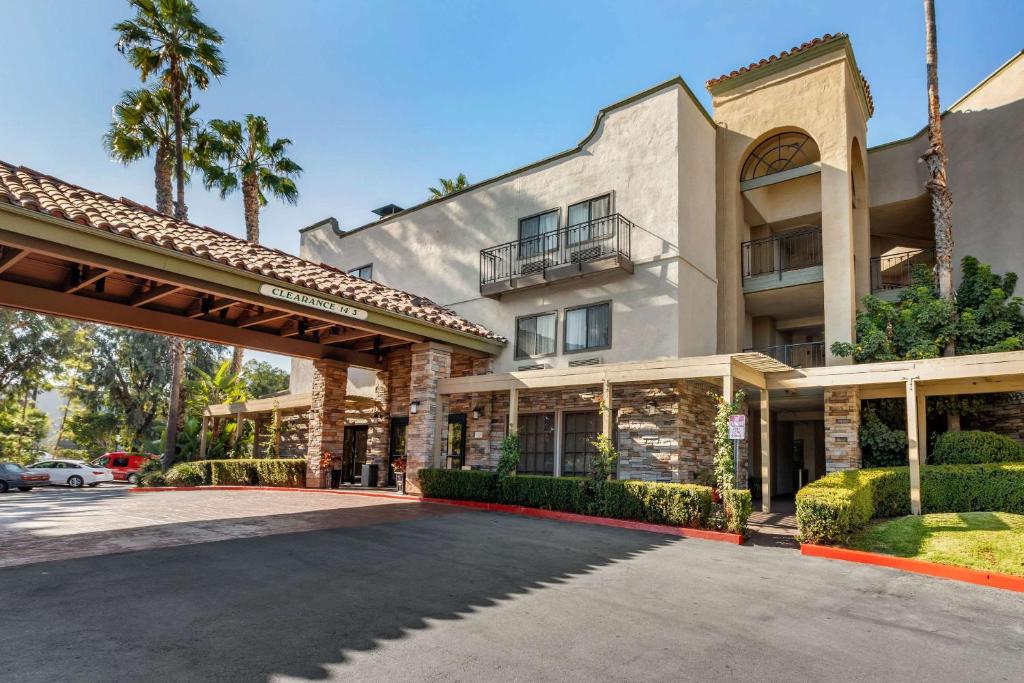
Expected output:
(383, 97)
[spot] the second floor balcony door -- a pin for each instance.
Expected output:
(586, 220)
(538, 234)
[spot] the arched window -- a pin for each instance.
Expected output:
(779, 153)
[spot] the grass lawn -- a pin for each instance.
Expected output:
(992, 541)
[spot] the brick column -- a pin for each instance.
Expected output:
(842, 427)
(378, 439)
(326, 416)
(430, 363)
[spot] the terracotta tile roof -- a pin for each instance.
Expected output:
(30, 189)
(827, 38)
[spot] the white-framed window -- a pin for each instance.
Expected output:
(588, 328)
(535, 335)
(362, 272)
(530, 230)
(585, 219)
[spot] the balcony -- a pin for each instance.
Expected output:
(784, 260)
(891, 273)
(808, 355)
(599, 245)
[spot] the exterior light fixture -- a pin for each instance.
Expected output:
(477, 413)
(413, 407)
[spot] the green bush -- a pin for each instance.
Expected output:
(289, 472)
(829, 509)
(188, 474)
(151, 479)
(675, 504)
(737, 503)
(238, 472)
(975, 447)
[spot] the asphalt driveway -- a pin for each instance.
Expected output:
(427, 592)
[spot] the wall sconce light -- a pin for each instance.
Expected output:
(477, 413)
(413, 407)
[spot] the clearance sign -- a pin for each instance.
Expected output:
(312, 301)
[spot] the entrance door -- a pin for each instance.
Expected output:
(396, 449)
(455, 442)
(577, 445)
(354, 454)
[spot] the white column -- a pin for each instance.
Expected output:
(766, 457)
(513, 410)
(913, 437)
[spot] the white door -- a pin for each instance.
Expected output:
(58, 472)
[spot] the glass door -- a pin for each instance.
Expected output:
(354, 454)
(455, 442)
(396, 449)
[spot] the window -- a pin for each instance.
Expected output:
(363, 272)
(535, 335)
(530, 230)
(580, 430)
(121, 462)
(537, 444)
(588, 327)
(779, 153)
(585, 219)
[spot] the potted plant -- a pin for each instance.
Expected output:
(326, 458)
(399, 466)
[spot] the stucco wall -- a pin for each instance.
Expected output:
(637, 153)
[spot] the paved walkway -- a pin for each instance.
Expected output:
(776, 528)
(439, 593)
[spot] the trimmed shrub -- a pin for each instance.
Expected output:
(975, 447)
(674, 504)
(829, 509)
(232, 472)
(289, 472)
(459, 484)
(737, 503)
(187, 474)
(153, 479)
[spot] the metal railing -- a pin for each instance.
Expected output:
(781, 253)
(894, 271)
(576, 244)
(807, 355)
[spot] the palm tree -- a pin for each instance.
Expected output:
(167, 39)
(237, 153)
(143, 125)
(942, 199)
(448, 186)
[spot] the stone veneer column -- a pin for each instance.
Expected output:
(430, 362)
(326, 416)
(378, 440)
(842, 427)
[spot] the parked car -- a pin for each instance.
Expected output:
(73, 473)
(125, 466)
(14, 476)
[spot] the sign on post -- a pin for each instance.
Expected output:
(737, 427)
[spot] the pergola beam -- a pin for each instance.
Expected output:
(11, 256)
(260, 318)
(914, 430)
(148, 296)
(83, 277)
(208, 305)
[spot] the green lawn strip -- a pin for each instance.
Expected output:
(991, 541)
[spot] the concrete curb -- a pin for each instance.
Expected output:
(942, 571)
(683, 532)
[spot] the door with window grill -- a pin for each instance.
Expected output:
(537, 444)
(577, 450)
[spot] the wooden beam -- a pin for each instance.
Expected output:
(85, 278)
(766, 453)
(152, 294)
(16, 295)
(913, 447)
(208, 305)
(11, 256)
(386, 343)
(922, 426)
(747, 374)
(260, 318)
(347, 335)
(294, 328)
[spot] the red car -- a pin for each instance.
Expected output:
(125, 466)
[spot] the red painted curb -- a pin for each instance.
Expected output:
(683, 532)
(942, 571)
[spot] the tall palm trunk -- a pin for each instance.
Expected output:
(177, 345)
(180, 209)
(251, 204)
(942, 200)
(163, 170)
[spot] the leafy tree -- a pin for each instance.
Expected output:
(234, 154)
(32, 348)
(990, 316)
(211, 388)
(449, 186)
(22, 430)
(263, 379)
(143, 126)
(725, 472)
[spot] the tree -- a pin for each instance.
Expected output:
(235, 154)
(22, 429)
(32, 346)
(260, 379)
(214, 387)
(449, 186)
(142, 126)
(166, 38)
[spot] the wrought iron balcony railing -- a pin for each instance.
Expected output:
(893, 271)
(807, 355)
(779, 254)
(558, 250)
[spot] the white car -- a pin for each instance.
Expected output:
(73, 473)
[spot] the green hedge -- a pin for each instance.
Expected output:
(288, 472)
(831, 508)
(975, 447)
(675, 504)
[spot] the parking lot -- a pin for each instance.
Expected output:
(251, 586)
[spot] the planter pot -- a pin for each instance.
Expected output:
(400, 481)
